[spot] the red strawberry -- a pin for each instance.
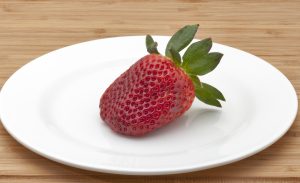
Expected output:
(158, 89)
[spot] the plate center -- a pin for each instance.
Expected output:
(70, 106)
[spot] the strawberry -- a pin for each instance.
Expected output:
(158, 89)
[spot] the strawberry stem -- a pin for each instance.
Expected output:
(151, 45)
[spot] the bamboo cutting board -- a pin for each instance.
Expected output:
(269, 29)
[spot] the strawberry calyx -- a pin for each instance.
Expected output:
(196, 61)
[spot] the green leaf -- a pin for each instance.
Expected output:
(181, 38)
(196, 81)
(206, 93)
(206, 97)
(203, 64)
(213, 91)
(175, 56)
(151, 45)
(196, 50)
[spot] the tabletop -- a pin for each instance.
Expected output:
(268, 29)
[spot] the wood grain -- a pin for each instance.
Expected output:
(269, 29)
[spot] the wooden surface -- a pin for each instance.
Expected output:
(269, 29)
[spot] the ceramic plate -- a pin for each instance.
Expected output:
(51, 106)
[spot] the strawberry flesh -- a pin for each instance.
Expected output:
(150, 94)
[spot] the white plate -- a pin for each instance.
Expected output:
(51, 106)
